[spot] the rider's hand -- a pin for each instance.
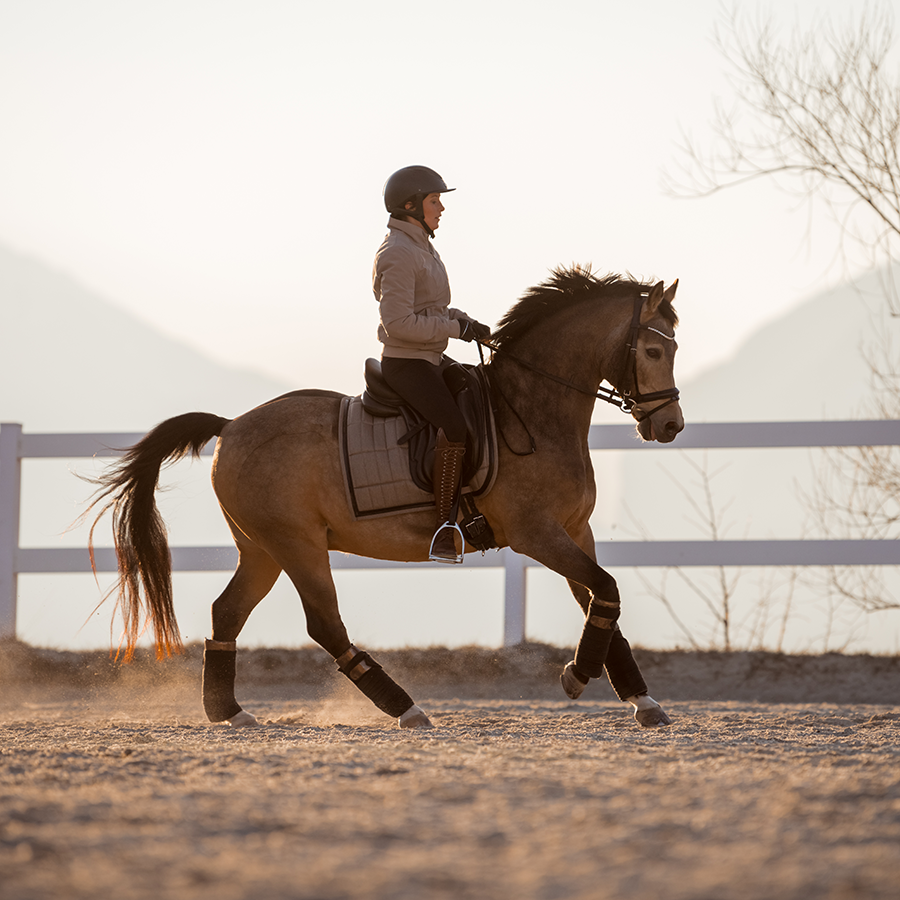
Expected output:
(470, 330)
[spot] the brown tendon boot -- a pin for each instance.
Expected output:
(448, 460)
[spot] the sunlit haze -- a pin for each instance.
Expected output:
(216, 167)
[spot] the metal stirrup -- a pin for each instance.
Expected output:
(453, 526)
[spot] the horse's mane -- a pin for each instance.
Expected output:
(566, 287)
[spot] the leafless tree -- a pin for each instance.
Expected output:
(819, 114)
(734, 623)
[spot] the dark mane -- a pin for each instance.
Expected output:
(566, 287)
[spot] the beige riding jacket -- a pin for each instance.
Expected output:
(413, 293)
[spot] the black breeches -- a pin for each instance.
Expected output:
(422, 386)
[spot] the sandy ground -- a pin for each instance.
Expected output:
(112, 783)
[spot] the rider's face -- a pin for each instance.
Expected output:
(432, 209)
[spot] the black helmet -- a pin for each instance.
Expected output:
(412, 183)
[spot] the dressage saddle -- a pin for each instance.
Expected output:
(469, 387)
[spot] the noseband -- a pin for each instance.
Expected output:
(628, 397)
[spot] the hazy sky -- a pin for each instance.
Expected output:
(217, 166)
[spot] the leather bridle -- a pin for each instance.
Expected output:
(629, 393)
(627, 396)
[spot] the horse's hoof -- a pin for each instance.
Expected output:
(414, 717)
(571, 683)
(654, 717)
(243, 719)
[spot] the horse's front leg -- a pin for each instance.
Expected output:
(602, 644)
(622, 670)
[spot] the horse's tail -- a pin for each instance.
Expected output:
(142, 548)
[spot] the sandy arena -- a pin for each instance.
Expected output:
(779, 778)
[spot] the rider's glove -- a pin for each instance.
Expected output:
(470, 330)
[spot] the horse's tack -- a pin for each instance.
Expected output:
(626, 397)
(631, 395)
(277, 482)
(469, 387)
(377, 466)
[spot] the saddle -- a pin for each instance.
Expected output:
(468, 386)
(387, 448)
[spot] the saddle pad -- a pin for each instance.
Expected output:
(376, 467)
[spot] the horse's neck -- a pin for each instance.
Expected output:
(570, 353)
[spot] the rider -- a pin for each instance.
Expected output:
(413, 294)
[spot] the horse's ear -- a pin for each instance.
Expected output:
(670, 293)
(651, 304)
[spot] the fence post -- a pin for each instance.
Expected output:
(513, 598)
(10, 495)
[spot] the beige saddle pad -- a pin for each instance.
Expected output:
(376, 467)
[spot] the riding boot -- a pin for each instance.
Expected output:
(448, 461)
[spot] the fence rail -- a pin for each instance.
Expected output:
(16, 445)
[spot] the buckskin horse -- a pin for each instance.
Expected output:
(277, 475)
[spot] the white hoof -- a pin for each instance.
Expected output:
(242, 720)
(571, 683)
(414, 717)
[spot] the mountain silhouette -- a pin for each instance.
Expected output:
(71, 360)
(808, 364)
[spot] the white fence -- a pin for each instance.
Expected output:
(15, 446)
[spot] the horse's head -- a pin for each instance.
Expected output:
(564, 330)
(651, 369)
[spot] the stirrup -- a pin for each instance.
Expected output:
(458, 558)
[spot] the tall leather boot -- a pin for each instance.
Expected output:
(448, 460)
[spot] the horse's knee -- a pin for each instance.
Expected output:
(605, 589)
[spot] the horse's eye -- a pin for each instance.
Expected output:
(654, 352)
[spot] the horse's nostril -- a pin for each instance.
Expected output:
(671, 427)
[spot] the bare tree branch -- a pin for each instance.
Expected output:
(819, 115)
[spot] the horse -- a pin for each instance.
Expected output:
(277, 476)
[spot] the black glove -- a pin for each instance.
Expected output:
(470, 330)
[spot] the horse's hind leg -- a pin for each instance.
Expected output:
(256, 573)
(310, 572)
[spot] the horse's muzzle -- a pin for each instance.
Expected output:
(664, 426)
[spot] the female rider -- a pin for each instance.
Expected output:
(417, 321)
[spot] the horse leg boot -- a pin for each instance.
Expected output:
(381, 689)
(219, 658)
(626, 680)
(628, 683)
(448, 460)
(600, 626)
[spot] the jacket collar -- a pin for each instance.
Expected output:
(410, 229)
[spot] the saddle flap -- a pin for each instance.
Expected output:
(365, 436)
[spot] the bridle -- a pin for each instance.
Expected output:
(628, 396)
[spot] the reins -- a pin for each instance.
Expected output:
(627, 398)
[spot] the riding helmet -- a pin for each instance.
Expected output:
(412, 183)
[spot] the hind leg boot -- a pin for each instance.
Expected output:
(219, 660)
